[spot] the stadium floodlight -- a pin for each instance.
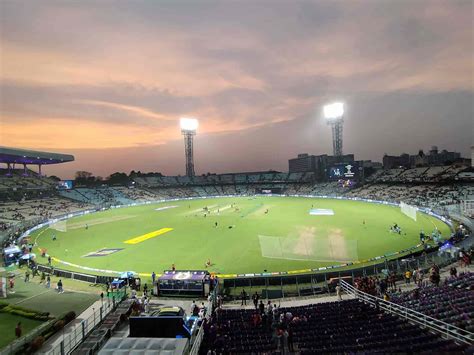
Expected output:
(334, 115)
(188, 130)
(333, 111)
(188, 124)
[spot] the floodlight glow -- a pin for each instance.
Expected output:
(334, 110)
(188, 124)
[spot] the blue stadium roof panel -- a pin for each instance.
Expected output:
(23, 156)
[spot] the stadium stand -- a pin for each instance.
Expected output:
(337, 327)
(451, 302)
(425, 195)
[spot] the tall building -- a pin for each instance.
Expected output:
(302, 163)
(393, 161)
(434, 157)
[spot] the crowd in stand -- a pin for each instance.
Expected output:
(425, 195)
(44, 208)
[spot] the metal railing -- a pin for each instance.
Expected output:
(445, 329)
(77, 333)
(68, 338)
(200, 334)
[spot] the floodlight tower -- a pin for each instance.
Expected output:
(188, 130)
(334, 115)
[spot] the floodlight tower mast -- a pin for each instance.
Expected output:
(334, 114)
(337, 136)
(188, 130)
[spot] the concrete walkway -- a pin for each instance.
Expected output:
(72, 333)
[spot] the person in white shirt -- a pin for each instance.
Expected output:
(338, 292)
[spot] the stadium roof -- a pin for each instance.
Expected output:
(23, 156)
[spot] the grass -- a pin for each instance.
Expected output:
(34, 296)
(195, 238)
(8, 323)
(31, 295)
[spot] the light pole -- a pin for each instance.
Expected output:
(334, 115)
(188, 130)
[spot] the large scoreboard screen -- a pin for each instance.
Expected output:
(344, 171)
(268, 190)
(65, 184)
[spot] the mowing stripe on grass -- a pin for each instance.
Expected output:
(29, 298)
(79, 225)
(147, 236)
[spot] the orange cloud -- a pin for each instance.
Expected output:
(71, 134)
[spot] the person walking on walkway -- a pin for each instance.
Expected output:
(338, 292)
(407, 277)
(243, 296)
(255, 299)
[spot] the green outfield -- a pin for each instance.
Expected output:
(252, 234)
(33, 296)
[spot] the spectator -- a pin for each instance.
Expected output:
(60, 286)
(275, 312)
(18, 330)
(193, 308)
(256, 320)
(243, 297)
(255, 299)
(12, 284)
(419, 277)
(338, 292)
(269, 308)
(407, 277)
(290, 339)
(285, 341)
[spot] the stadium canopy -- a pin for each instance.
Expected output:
(12, 156)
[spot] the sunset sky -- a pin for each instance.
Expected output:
(108, 81)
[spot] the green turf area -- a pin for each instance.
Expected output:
(34, 296)
(285, 238)
(8, 323)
